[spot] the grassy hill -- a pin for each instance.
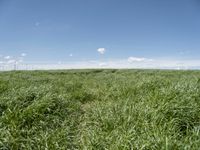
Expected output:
(100, 109)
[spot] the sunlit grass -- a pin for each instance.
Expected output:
(100, 109)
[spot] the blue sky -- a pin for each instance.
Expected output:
(73, 30)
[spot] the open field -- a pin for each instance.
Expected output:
(100, 109)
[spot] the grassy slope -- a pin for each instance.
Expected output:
(100, 109)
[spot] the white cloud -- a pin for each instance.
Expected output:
(135, 59)
(7, 57)
(138, 59)
(70, 55)
(129, 63)
(101, 50)
(23, 54)
(103, 64)
(11, 61)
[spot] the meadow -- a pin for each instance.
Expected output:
(100, 110)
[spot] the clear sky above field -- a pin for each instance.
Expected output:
(100, 30)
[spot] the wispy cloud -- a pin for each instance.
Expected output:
(101, 50)
(184, 52)
(11, 61)
(129, 63)
(119, 64)
(71, 55)
(138, 59)
(103, 64)
(7, 57)
(23, 54)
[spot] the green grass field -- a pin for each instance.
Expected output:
(100, 109)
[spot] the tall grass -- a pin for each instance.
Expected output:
(100, 109)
